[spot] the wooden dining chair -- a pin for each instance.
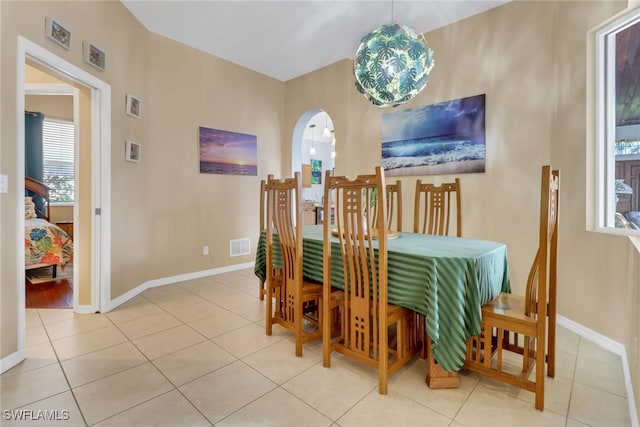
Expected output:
(367, 320)
(286, 289)
(525, 325)
(394, 207)
(433, 208)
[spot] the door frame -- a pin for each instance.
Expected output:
(100, 181)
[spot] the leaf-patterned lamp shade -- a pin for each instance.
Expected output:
(392, 65)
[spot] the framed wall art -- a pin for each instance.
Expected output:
(133, 151)
(56, 32)
(437, 139)
(134, 106)
(230, 153)
(93, 56)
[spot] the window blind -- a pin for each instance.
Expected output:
(58, 149)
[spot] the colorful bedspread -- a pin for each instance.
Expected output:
(46, 244)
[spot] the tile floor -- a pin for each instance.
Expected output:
(195, 354)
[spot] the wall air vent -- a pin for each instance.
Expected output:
(239, 247)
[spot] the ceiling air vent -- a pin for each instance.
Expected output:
(239, 247)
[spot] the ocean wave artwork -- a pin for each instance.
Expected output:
(448, 137)
(229, 153)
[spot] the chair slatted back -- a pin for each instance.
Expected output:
(433, 208)
(394, 207)
(284, 215)
(365, 280)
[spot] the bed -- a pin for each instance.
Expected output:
(45, 244)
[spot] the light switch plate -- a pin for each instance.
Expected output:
(4, 184)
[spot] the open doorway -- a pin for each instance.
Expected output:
(51, 143)
(91, 214)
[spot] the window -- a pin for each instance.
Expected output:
(58, 152)
(617, 125)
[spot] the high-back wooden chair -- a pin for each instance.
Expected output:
(262, 291)
(394, 207)
(433, 208)
(366, 317)
(525, 325)
(284, 216)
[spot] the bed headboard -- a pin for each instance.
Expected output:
(40, 193)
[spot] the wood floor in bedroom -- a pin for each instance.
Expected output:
(54, 294)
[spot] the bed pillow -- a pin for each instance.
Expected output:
(29, 208)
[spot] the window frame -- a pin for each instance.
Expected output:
(602, 218)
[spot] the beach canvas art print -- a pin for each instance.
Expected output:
(437, 139)
(230, 153)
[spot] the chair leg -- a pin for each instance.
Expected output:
(261, 290)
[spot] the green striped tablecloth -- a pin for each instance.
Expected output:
(445, 278)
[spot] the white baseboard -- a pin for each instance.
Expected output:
(173, 279)
(614, 347)
(11, 360)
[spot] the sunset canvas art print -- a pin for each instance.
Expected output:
(229, 153)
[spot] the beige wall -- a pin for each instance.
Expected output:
(527, 57)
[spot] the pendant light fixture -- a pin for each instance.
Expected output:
(312, 150)
(326, 133)
(392, 64)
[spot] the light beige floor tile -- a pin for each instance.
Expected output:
(177, 302)
(237, 280)
(167, 341)
(391, 410)
(246, 340)
(196, 311)
(130, 312)
(276, 408)
(57, 410)
(254, 311)
(168, 410)
(37, 356)
(492, 407)
(279, 363)
(100, 364)
(77, 325)
(411, 383)
(236, 299)
(32, 318)
(124, 390)
(219, 324)
(87, 342)
(574, 423)
(52, 315)
(565, 365)
(164, 292)
(36, 335)
(595, 407)
(606, 376)
(591, 350)
(212, 291)
(20, 390)
(332, 391)
(193, 362)
(566, 340)
(148, 325)
(226, 390)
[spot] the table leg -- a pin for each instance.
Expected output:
(437, 377)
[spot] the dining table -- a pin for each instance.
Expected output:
(447, 279)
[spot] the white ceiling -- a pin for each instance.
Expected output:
(287, 39)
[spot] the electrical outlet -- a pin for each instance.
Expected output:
(205, 250)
